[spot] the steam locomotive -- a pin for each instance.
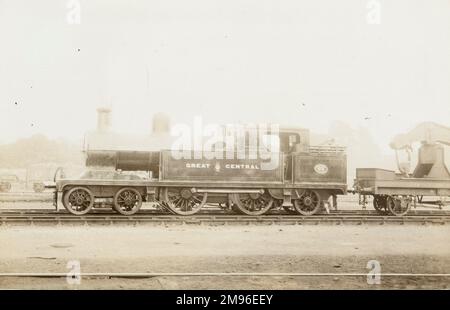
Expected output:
(295, 176)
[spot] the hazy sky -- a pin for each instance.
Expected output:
(293, 62)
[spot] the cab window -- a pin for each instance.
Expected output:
(289, 142)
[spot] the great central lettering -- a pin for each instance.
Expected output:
(242, 166)
(227, 166)
(198, 165)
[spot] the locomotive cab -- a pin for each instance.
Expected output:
(292, 141)
(289, 144)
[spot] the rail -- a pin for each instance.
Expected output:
(40, 217)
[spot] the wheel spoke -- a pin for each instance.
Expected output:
(196, 199)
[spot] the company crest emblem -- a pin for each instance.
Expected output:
(321, 169)
(217, 167)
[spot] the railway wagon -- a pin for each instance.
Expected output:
(394, 193)
(297, 177)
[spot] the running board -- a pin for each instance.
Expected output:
(227, 191)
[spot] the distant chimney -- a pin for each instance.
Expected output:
(103, 119)
(161, 123)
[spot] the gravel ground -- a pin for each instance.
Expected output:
(234, 249)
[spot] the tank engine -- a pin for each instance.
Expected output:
(295, 176)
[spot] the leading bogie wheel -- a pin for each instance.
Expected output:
(183, 201)
(308, 203)
(252, 203)
(127, 201)
(78, 200)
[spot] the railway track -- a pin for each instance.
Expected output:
(217, 218)
(215, 211)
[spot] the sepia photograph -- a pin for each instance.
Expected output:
(241, 147)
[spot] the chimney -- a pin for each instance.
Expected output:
(103, 119)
